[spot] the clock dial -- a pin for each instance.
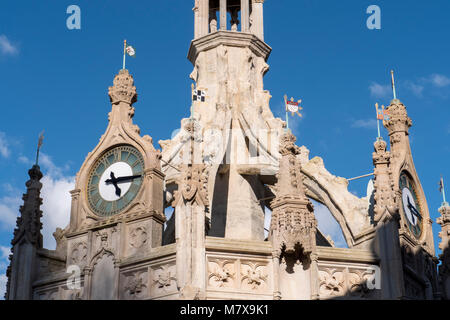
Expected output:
(115, 180)
(411, 205)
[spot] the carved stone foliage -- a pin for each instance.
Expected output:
(138, 237)
(136, 285)
(222, 273)
(254, 276)
(238, 275)
(163, 280)
(123, 89)
(78, 254)
(345, 281)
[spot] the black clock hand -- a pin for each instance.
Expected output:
(127, 178)
(414, 210)
(113, 181)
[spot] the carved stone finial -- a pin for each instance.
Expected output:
(384, 195)
(293, 223)
(29, 223)
(123, 89)
(444, 268)
(398, 120)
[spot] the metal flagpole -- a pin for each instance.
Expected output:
(393, 84)
(287, 115)
(40, 141)
(443, 189)
(378, 122)
(124, 52)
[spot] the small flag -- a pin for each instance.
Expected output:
(198, 95)
(130, 51)
(382, 114)
(441, 185)
(292, 106)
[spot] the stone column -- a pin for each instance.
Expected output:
(223, 14)
(204, 17)
(245, 15)
(190, 202)
(258, 19)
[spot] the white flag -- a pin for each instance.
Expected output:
(131, 52)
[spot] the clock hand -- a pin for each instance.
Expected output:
(113, 181)
(127, 178)
(414, 210)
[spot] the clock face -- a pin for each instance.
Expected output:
(115, 180)
(411, 205)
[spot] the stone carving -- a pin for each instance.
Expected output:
(79, 253)
(164, 280)
(136, 287)
(123, 89)
(384, 195)
(339, 281)
(254, 276)
(29, 223)
(221, 273)
(293, 222)
(138, 237)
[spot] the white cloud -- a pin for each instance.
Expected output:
(367, 124)
(439, 80)
(24, 160)
(4, 149)
(56, 202)
(416, 89)
(6, 47)
(56, 199)
(3, 280)
(379, 91)
(9, 208)
(328, 225)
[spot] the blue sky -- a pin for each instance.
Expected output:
(56, 79)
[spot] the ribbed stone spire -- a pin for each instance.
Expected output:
(29, 223)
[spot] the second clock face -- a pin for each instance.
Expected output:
(411, 205)
(115, 180)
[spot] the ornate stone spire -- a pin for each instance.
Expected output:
(384, 195)
(293, 222)
(27, 240)
(29, 223)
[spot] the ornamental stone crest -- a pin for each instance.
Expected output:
(123, 89)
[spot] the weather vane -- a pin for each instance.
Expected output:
(292, 107)
(40, 142)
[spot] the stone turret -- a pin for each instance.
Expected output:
(444, 268)
(27, 241)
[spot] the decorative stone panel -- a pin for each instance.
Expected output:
(346, 280)
(163, 281)
(237, 273)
